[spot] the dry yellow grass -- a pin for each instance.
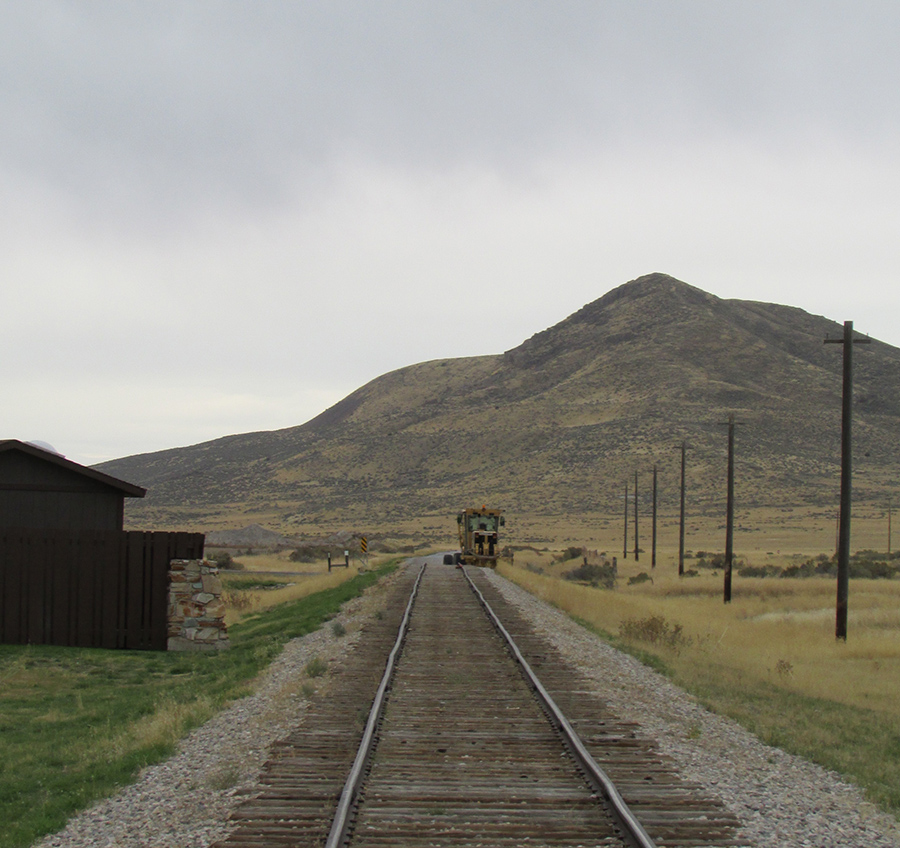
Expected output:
(279, 561)
(764, 534)
(298, 579)
(165, 726)
(775, 630)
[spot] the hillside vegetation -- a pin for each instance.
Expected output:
(557, 425)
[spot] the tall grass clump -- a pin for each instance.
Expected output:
(594, 574)
(654, 630)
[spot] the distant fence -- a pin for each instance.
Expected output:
(93, 589)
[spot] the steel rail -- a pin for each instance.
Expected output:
(340, 827)
(631, 828)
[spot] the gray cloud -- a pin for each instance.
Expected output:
(253, 201)
(178, 105)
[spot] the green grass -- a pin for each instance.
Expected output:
(861, 744)
(77, 723)
(247, 583)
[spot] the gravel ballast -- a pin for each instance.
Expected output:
(185, 801)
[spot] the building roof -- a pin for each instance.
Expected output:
(129, 490)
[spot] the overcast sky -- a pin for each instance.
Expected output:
(220, 217)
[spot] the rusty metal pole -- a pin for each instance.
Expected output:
(843, 575)
(625, 543)
(653, 548)
(637, 553)
(889, 526)
(729, 520)
(681, 522)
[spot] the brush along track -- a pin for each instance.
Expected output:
(465, 755)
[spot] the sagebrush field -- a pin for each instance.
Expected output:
(769, 658)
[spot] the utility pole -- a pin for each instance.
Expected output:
(653, 549)
(843, 577)
(637, 553)
(729, 520)
(837, 534)
(889, 526)
(625, 543)
(681, 522)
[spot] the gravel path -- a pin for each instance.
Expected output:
(185, 801)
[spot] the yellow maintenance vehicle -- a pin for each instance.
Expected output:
(479, 531)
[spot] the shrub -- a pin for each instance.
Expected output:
(807, 568)
(759, 571)
(783, 668)
(570, 553)
(863, 564)
(878, 569)
(716, 562)
(310, 553)
(225, 777)
(596, 575)
(655, 630)
(316, 667)
(223, 559)
(825, 566)
(643, 577)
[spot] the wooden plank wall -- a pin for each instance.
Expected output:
(97, 589)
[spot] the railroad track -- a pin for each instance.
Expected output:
(460, 747)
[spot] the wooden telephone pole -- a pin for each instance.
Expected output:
(653, 547)
(890, 505)
(681, 521)
(637, 552)
(843, 577)
(729, 521)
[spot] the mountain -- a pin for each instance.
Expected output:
(560, 423)
(253, 536)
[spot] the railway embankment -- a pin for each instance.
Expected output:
(779, 799)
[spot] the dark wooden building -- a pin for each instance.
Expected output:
(42, 490)
(69, 574)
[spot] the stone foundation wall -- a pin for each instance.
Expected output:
(196, 608)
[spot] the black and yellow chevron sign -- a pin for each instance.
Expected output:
(364, 544)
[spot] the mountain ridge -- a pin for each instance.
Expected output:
(558, 421)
